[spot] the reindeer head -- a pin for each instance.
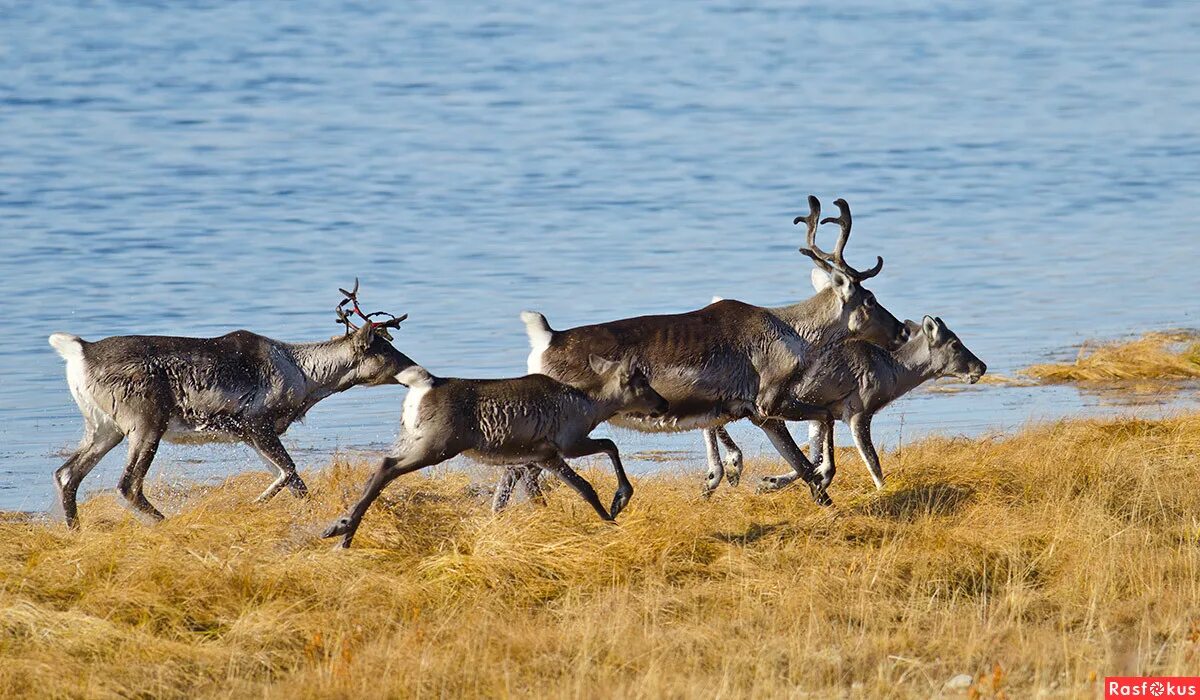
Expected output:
(865, 317)
(628, 386)
(948, 357)
(377, 362)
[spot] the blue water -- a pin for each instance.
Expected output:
(1030, 171)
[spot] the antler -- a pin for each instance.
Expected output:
(380, 327)
(810, 248)
(845, 221)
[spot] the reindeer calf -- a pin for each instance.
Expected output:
(531, 419)
(856, 380)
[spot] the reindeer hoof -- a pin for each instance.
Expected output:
(620, 500)
(733, 473)
(711, 481)
(820, 495)
(770, 483)
(339, 527)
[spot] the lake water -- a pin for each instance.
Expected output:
(1030, 172)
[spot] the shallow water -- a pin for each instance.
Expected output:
(1031, 173)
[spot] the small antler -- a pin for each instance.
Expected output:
(838, 259)
(380, 327)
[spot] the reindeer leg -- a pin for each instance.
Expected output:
(415, 457)
(733, 457)
(143, 445)
(504, 489)
(527, 476)
(581, 486)
(860, 428)
(96, 443)
(589, 446)
(716, 468)
(532, 483)
(272, 451)
(829, 466)
(816, 446)
(779, 436)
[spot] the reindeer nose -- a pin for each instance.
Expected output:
(903, 336)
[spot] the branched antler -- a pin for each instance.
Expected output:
(380, 327)
(837, 260)
(810, 248)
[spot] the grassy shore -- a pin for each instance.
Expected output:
(1036, 562)
(1154, 357)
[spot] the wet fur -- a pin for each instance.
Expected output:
(239, 387)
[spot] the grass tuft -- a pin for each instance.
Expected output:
(1155, 357)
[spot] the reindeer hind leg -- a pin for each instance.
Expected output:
(143, 445)
(416, 455)
(716, 468)
(733, 461)
(97, 442)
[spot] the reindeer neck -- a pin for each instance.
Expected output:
(328, 366)
(599, 407)
(912, 365)
(817, 319)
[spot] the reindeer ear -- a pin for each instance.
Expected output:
(842, 285)
(930, 326)
(600, 365)
(820, 279)
(364, 336)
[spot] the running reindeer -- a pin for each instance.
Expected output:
(505, 421)
(854, 381)
(729, 360)
(239, 387)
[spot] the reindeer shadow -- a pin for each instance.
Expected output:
(909, 504)
(753, 534)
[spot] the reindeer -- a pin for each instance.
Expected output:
(728, 360)
(503, 421)
(855, 380)
(239, 387)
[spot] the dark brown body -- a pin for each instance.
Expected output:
(523, 420)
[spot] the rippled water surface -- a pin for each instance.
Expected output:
(1030, 172)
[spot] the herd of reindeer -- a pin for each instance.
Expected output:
(838, 355)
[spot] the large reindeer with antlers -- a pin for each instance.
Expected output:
(729, 360)
(239, 387)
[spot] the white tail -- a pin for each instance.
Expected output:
(538, 329)
(540, 334)
(67, 346)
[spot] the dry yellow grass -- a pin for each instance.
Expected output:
(1154, 356)
(1035, 562)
